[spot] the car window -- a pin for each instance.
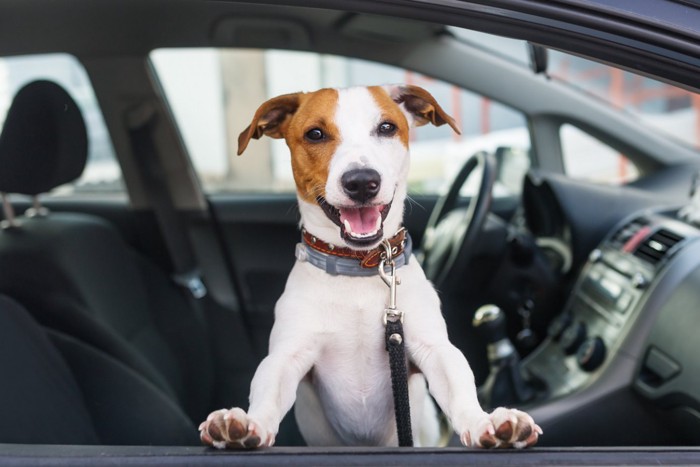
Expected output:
(102, 172)
(588, 158)
(214, 93)
(663, 107)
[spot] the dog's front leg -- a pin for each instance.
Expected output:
(272, 394)
(451, 382)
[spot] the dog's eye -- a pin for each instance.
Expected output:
(315, 135)
(386, 129)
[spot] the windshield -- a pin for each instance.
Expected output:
(669, 109)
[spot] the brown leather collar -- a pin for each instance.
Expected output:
(368, 258)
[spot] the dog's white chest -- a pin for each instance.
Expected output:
(353, 387)
(351, 374)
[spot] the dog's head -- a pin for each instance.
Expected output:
(349, 155)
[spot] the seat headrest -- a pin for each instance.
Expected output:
(43, 143)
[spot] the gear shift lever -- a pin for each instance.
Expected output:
(505, 384)
(490, 321)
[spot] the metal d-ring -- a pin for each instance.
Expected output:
(391, 313)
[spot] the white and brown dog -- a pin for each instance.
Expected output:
(350, 161)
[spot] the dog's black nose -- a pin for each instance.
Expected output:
(361, 185)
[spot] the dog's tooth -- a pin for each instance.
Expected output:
(348, 229)
(378, 224)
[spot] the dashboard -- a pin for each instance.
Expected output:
(631, 322)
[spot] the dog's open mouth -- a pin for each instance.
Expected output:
(359, 225)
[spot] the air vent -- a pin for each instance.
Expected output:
(628, 232)
(657, 246)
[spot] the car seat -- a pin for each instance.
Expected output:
(58, 390)
(138, 352)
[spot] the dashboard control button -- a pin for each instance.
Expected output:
(591, 354)
(624, 266)
(558, 325)
(639, 281)
(573, 337)
(624, 302)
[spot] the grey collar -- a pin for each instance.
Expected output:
(336, 265)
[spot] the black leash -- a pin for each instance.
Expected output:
(393, 322)
(399, 381)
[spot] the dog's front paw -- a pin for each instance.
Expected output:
(233, 429)
(503, 428)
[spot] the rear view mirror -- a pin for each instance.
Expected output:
(539, 58)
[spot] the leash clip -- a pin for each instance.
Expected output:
(393, 326)
(391, 313)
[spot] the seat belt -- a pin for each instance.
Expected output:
(186, 274)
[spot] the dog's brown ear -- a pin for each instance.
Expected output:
(271, 119)
(421, 106)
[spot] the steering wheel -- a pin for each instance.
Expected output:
(450, 236)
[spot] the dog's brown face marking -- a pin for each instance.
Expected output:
(349, 154)
(306, 122)
(312, 156)
(391, 113)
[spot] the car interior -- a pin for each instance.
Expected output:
(132, 305)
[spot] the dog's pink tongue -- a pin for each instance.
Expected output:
(361, 220)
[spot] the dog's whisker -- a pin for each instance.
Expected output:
(294, 208)
(412, 202)
(318, 190)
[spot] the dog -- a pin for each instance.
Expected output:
(350, 161)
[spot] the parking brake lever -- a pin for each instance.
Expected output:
(505, 384)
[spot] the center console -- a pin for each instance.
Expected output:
(612, 291)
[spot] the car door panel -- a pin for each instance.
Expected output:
(257, 234)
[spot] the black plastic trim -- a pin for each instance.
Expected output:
(591, 29)
(177, 456)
